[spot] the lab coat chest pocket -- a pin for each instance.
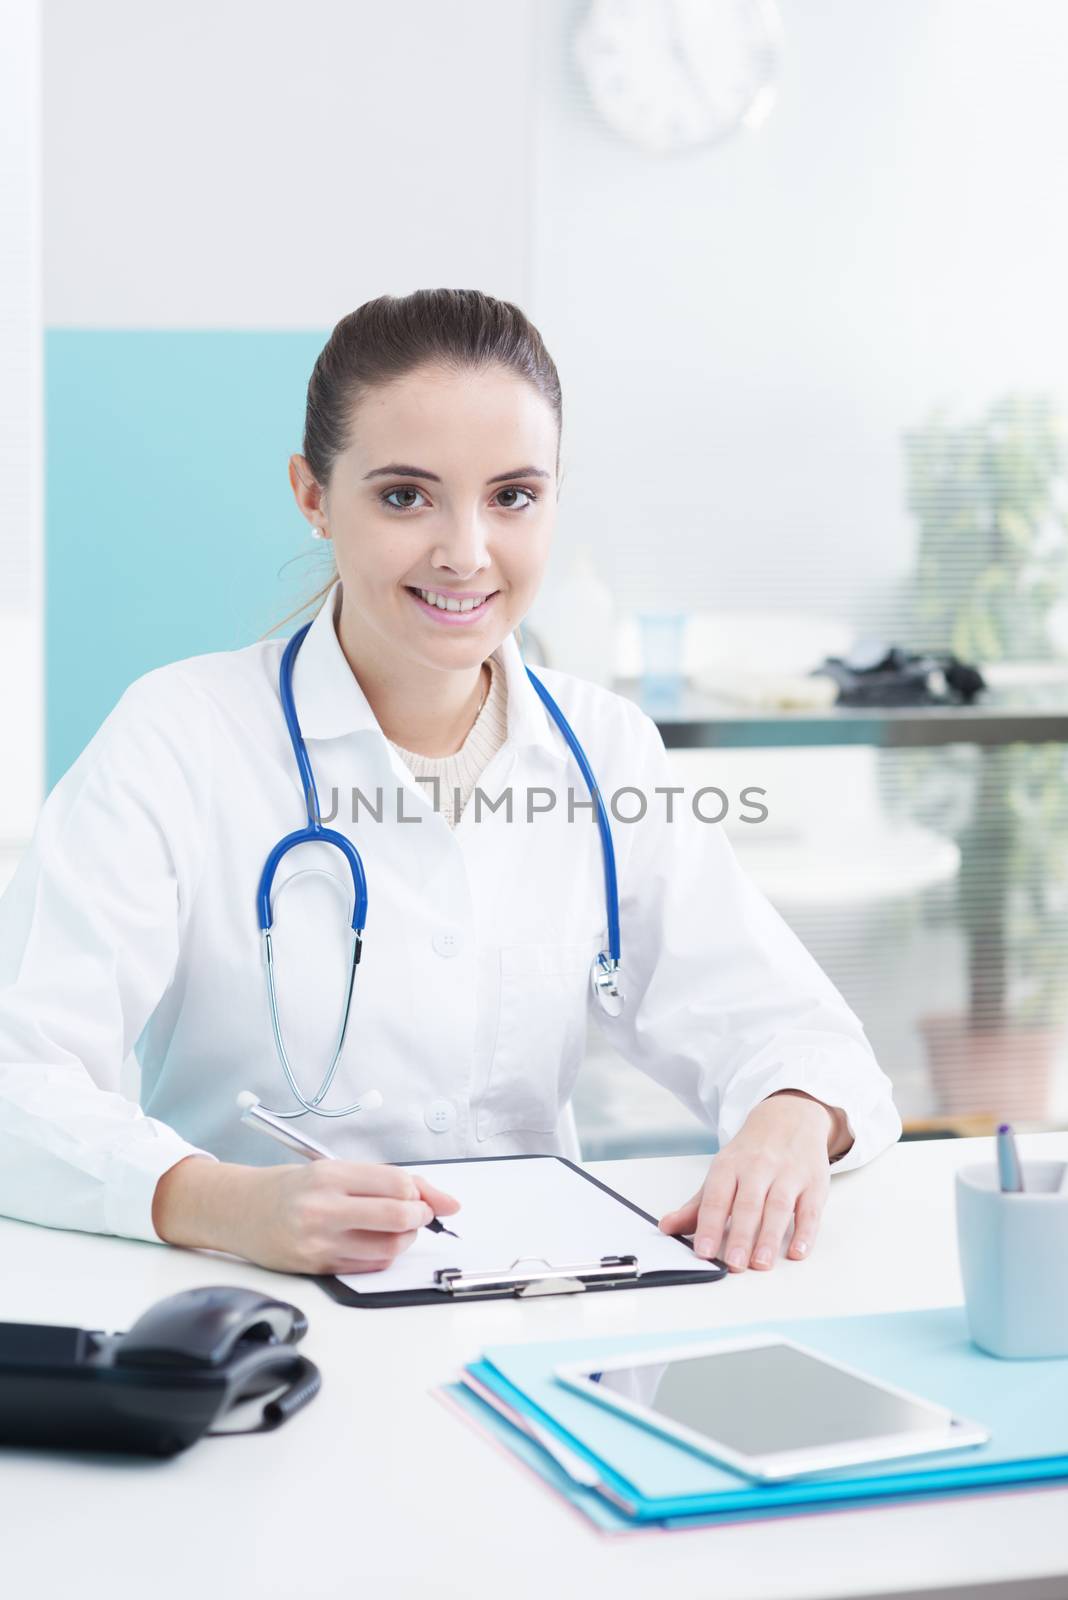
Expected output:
(541, 1036)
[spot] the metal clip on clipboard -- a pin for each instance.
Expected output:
(568, 1279)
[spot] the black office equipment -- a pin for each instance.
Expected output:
(156, 1389)
(877, 674)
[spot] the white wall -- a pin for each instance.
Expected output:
(266, 164)
(744, 332)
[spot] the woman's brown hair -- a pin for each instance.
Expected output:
(387, 338)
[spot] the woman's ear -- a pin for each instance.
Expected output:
(307, 492)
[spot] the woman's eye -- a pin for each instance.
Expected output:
(531, 497)
(407, 490)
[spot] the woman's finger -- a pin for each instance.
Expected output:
(375, 1250)
(360, 1264)
(684, 1218)
(443, 1204)
(358, 1214)
(778, 1213)
(807, 1217)
(371, 1177)
(747, 1211)
(717, 1199)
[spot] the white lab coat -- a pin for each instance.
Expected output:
(131, 923)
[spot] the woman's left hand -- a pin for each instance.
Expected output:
(775, 1170)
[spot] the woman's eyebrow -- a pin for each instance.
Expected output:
(399, 467)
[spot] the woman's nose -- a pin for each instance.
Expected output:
(463, 548)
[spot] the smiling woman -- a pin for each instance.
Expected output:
(145, 908)
(438, 561)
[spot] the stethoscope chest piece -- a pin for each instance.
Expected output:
(604, 981)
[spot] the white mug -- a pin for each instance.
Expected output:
(1014, 1259)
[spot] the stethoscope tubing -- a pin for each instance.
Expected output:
(316, 833)
(611, 891)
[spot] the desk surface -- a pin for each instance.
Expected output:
(377, 1482)
(697, 719)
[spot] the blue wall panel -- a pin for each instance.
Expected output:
(169, 516)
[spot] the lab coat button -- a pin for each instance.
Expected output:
(439, 1116)
(447, 941)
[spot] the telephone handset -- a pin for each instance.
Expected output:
(206, 1327)
(182, 1367)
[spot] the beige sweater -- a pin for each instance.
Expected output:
(457, 774)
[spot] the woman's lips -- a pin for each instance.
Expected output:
(453, 619)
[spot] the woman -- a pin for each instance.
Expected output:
(431, 461)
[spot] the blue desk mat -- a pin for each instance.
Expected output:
(1023, 1403)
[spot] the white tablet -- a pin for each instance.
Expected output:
(768, 1407)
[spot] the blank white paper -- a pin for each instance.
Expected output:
(523, 1213)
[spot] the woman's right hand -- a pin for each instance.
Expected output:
(317, 1217)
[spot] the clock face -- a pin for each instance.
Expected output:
(673, 75)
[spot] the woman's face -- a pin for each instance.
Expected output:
(447, 489)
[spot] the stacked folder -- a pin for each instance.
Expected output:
(623, 1475)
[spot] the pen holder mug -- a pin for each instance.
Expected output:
(1014, 1259)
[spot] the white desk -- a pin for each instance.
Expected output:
(376, 1489)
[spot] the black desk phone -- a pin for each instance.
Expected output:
(156, 1389)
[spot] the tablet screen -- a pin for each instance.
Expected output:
(768, 1399)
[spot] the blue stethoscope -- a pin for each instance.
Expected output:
(604, 973)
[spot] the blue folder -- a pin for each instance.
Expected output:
(1023, 1403)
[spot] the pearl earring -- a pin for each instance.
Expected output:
(319, 533)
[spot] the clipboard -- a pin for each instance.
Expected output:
(526, 1277)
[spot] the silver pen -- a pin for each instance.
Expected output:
(256, 1116)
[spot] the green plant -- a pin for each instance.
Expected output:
(991, 500)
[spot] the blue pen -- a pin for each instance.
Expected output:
(1009, 1174)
